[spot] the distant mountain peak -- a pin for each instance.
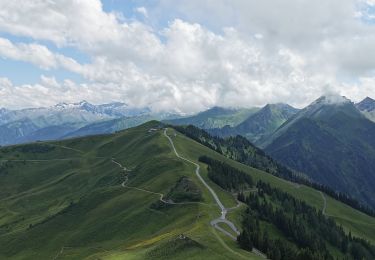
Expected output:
(61, 104)
(329, 105)
(82, 103)
(325, 105)
(368, 104)
(331, 99)
(281, 108)
(323, 109)
(368, 99)
(217, 108)
(278, 105)
(115, 104)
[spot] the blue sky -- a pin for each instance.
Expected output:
(20, 72)
(185, 55)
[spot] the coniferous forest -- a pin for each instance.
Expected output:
(301, 231)
(304, 232)
(227, 177)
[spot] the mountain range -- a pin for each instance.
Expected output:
(330, 141)
(78, 119)
(69, 120)
(216, 117)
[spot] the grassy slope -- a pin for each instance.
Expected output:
(111, 222)
(106, 220)
(360, 224)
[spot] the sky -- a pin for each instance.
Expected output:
(185, 56)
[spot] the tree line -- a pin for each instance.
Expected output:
(227, 177)
(242, 150)
(307, 230)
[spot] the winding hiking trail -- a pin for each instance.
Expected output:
(325, 203)
(224, 211)
(161, 195)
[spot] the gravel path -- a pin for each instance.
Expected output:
(224, 211)
(325, 203)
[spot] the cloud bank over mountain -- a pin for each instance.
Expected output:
(188, 56)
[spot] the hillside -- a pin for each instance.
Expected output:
(215, 117)
(100, 197)
(73, 200)
(332, 143)
(260, 124)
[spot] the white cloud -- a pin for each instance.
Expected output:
(33, 53)
(370, 2)
(63, 22)
(143, 11)
(81, 24)
(248, 53)
(38, 55)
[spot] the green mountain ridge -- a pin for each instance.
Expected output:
(71, 200)
(215, 117)
(259, 125)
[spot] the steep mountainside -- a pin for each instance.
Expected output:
(331, 142)
(367, 107)
(130, 195)
(260, 124)
(237, 148)
(12, 131)
(215, 117)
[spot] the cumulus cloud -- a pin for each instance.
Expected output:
(142, 10)
(302, 25)
(63, 22)
(229, 53)
(38, 55)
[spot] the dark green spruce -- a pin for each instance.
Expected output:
(307, 230)
(227, 177)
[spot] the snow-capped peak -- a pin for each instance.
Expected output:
(83, 105)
